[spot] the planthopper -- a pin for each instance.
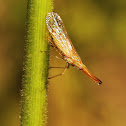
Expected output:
(63, 44)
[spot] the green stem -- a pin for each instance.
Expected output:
(34, 92)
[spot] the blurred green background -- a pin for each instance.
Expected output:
(97, 29)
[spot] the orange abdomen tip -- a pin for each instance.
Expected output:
(88, 73)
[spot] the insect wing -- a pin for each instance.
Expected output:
(58, 32)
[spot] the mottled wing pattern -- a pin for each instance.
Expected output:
(58, 32)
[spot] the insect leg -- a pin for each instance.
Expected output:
(43, 51)
(51, 43)
(65, 68)
(57, 67)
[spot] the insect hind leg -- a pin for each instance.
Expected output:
(65, 68)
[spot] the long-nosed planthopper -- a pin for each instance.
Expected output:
(63, 44)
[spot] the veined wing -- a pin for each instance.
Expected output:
(58, 32)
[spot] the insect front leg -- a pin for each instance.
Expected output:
(51, 43)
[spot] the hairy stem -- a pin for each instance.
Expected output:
(34, 95)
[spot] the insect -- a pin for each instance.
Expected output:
(63, 44)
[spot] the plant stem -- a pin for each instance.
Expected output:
(34, 91)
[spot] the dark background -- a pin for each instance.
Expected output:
(97, 29)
